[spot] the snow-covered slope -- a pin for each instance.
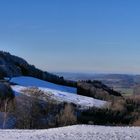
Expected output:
(57, 95)
(77, 132)
(31, 81)
(60, 93)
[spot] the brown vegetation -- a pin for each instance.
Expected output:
(67, 116)
(121, 112)
(97, 89)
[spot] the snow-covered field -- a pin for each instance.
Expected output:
(77, 132)
(31, 81)
(58, 92)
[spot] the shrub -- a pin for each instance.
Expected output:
(67, 116)
(34, 91)
(39, 94)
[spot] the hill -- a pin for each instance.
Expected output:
(11, 66)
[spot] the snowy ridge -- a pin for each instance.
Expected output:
(77, 132)
(58, 92)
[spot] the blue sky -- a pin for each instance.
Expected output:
(73, 35)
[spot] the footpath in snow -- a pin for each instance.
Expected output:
(77, 132)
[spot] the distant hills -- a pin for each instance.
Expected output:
(124, 83)
(123, 80)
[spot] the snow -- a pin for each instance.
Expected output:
(57, 95)
(77, 132)
(57, 92)
(34, 82)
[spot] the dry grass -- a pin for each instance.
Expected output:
(118, 105)
(37, 93)
(34, 91)
(134, 99)
(137, 122)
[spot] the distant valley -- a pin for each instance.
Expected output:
(124, 83)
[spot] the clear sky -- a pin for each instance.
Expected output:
(73, 35)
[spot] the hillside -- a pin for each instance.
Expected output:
(42, 99)
(57, 92)
(11, 66)
(96, 89)
(38, 103)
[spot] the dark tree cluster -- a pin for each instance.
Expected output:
(96, 89)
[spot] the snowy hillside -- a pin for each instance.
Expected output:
(34, 82)
(58, 92)
(77, 132)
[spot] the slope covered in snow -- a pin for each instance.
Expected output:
(57, 92)
(77, 132)
(34, 82)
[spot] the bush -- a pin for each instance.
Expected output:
(67, 116)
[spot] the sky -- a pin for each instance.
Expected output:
(98, 36)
